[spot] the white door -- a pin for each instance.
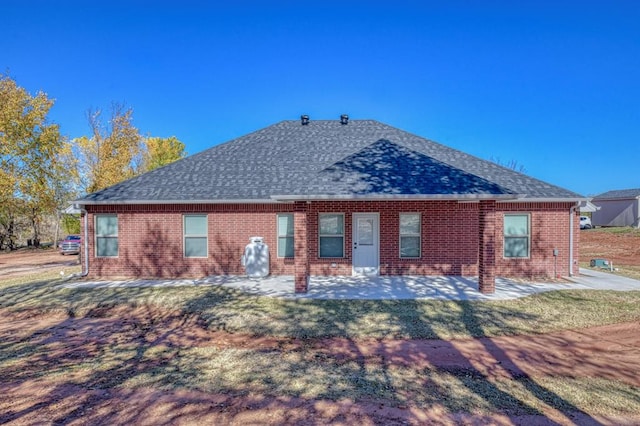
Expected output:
(366, 243)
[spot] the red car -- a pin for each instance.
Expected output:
(70, 245)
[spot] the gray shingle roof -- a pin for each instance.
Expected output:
(619, 194)
(325, 158)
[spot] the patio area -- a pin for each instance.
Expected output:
(383, 287)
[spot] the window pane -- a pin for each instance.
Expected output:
(331, 247)
(106, 225)
(410, 224)
(195, 225)
(331, 224)
(516, 225)
(285, 247)
(365, 232)
(516, 247)
(106, 247)
(409, 246)
(285, 225)
(195, 247)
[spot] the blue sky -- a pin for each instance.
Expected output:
(554, 86)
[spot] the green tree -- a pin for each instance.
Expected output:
(34, 158)
(162, 151)
(113, 152)
(71, 223)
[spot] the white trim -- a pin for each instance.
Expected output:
(96, 236)
(184, 235)
(543, 200)
(278, 236)
(354, 216)
(419, 235)
(344, 237)
(504, 236)
(382, 197)
(280, 199)
(144, 202)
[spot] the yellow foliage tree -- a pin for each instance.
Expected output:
(35, 160)
(113, 152)
(162, 151)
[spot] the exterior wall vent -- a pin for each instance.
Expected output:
(304, 120)
(344, 119)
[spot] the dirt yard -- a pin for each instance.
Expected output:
(62, 369)
(29, 261)
(90, 397)
(621, 248)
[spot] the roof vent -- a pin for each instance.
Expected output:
(304, 120)
(344, 119)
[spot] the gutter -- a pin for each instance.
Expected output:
(85, 240)
(150, 202)
(398, 197)
(572, 213)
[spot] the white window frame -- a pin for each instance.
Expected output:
(419, 235)
(285, 236)
(185, 235)
(320, 236)
(97, 236)
(527, 236)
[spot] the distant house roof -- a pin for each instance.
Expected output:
(619, 194)
(588, 207)
(327, 159)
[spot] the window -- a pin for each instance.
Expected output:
(285, 235)
(195, 235)
(516, 235)
(331, 235)
(106, 235)
(410, 235)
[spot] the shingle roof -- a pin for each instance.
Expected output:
(364, 158)
(619, 194)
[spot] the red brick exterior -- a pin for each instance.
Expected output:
(301, 252)
(455, 239)
(487, 249)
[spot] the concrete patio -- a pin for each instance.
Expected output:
(386, 287)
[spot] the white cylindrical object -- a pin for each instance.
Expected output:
(256, 258)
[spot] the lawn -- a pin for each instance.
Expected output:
(220, 308)
(216, 341)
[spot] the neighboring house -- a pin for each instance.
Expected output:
(333, 197)
(617, 208)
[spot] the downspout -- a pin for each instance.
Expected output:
(85, 241)
(572, 213)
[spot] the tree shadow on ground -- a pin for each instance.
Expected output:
(107, 350)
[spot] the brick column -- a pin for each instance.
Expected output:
(301, 251)
(487, 240)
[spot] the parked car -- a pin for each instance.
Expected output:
(70, 245)
(585, 222)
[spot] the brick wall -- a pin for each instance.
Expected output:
(449, 237)
(549, 231)
(151, 240)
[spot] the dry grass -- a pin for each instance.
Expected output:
(225, 309)
(302, 374)
(618, 230)
(130, 358)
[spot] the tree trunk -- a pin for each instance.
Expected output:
(35, 223)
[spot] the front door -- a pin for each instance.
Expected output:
(366, 243)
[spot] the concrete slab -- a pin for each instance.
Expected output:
(599, 280)
(383, 288)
